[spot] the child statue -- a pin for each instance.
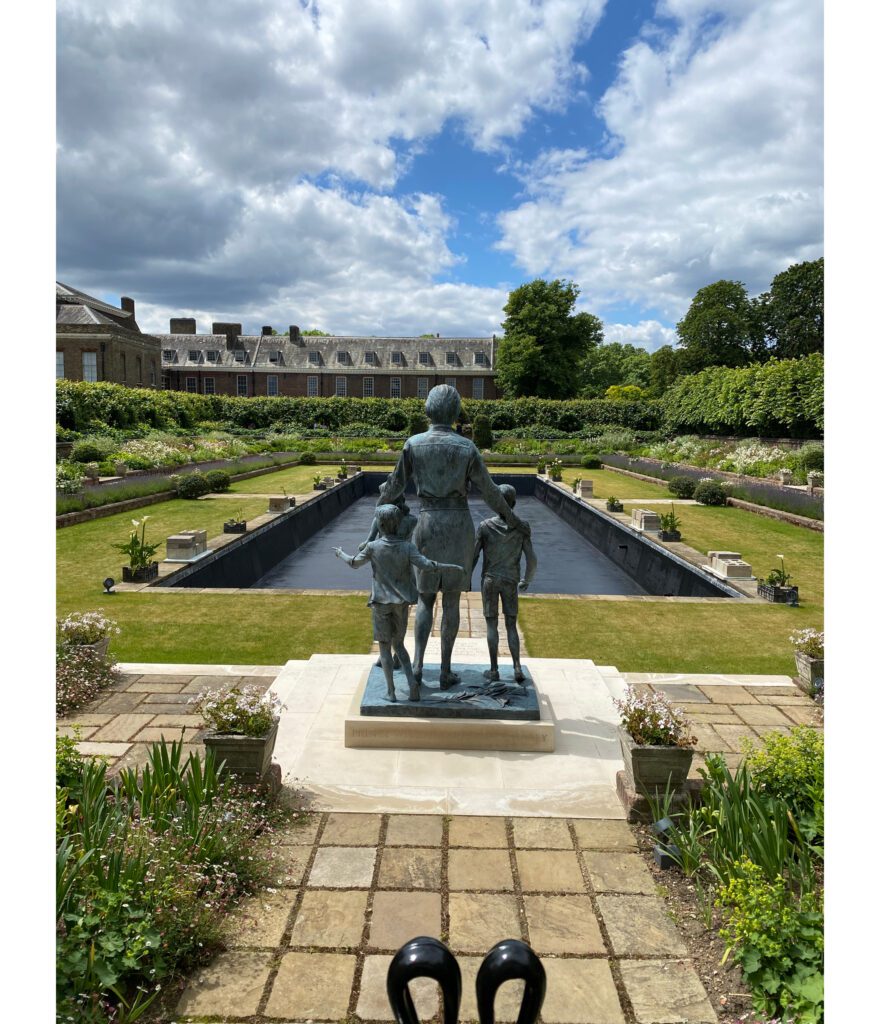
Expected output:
(503, 547)
(394, 590)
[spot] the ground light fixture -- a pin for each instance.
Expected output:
(666, 854)
(109, 584)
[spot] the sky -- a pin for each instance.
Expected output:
(396, 168)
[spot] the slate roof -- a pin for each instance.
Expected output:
(322, 354)
(75, 307)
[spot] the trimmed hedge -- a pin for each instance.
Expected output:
(84, 406)
(779, 398)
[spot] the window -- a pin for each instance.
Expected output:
(90, 366)
(241, 385)
(275, 357)
(139, 366)
(343, 358)
(341, 387)
(272, 384)
(213, 355)
(481, 359)
(194, 355)
(451, 359)
(368, 387)
(240, 355)
(152, 372)
(422, 387)
(397, 359)
(395, 387)
(371, 359)
(208, 385)
(169, 355)
(478, 387)
(59, 364)
(191, 385)
(315, 358)
(312, 387)
(450, 381)
(424, 358)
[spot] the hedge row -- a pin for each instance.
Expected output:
(778, 398)
(82, 406)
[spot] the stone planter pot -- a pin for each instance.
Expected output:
(673, 535)
(280, 504)
(556, 478)
(320, 487)
(120, 468)
(100, 647)
(810, 671)
(614, 506)
(652, 769)
(249, 757)
(151, 572)
(778, 595)
(232, 527)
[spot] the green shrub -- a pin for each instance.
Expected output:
(89, 450)
(710, 492)
(591, 462)
(792, 768)
(416, 424)
(307, 459)
(218, 480)
(777, 941)
(483, 438)
(192, 485)
(682, 486)
(810, 458)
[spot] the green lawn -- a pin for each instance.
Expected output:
(269, 629)
(607, 483)
(718, 637)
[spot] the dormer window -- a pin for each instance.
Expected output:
(424, 358)
(169, 355)
(239, 355)
(275, 357)
(315, 358)
(213, 355)
(194, 355)
(396, 358)
(343, 358)
(451, 359)
(371, 359)
(481, 359)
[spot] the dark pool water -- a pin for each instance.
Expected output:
(567, 563)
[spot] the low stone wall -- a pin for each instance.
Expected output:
(778, 514)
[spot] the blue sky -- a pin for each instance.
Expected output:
(374, 167)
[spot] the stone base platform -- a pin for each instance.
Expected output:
(449, 725)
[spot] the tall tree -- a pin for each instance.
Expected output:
(614, 363)
(719, 327)
(545, 342)
(666, 368)
(793, 311)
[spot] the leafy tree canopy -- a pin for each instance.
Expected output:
(316, 333)
(719, 328)
(666, 368)
(793, 311)
(625, 393)
(614, 363)
(545, 342)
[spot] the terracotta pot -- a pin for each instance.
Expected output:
(249, 757)
(652, 769)
(810, 671)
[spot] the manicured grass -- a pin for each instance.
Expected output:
(258, 629)
(607, 484)
(295, 480)
(728, 636)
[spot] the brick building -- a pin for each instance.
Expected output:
(97, 341)
(227, 362)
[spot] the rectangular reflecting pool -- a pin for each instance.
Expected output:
(567, 562)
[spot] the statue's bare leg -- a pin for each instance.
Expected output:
(401, 652)
(513, 642)
(448, 633)
(492, 641)
(424, 622)
(385, 659)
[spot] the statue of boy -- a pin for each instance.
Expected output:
(502, 550)
(443, 464)
(394, 590)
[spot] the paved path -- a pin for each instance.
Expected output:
(349, 889)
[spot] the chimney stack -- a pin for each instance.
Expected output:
(295, 336)
(267, 331)
(183, 325)
(127, 304)
(232, 332)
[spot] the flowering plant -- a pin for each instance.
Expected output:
(81, 673)
(68, 477)
(243, 710)
(809, 641)
(652, 721)
(139, 553)
(555, 468)
(779, 577)
(86, 627)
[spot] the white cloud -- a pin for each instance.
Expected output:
(713, 166)
(648, 334)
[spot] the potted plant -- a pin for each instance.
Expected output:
(669, 525)
(243, 723)
(318, 482)
(809, 656)
(542, 467)
(141, 566)
(614, 504)
(88, 629)
(343, 471)
(555, 470)
(92, 471)
(777, 587)
(655, 741)
(236, 524)
(575, 485)
(120, 468)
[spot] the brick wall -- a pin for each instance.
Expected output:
(117, 354)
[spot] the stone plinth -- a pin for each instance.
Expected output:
(282, 504)
(734, 569)
(645, 520)
(413, 729)
(586, 490)
(186, 545)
